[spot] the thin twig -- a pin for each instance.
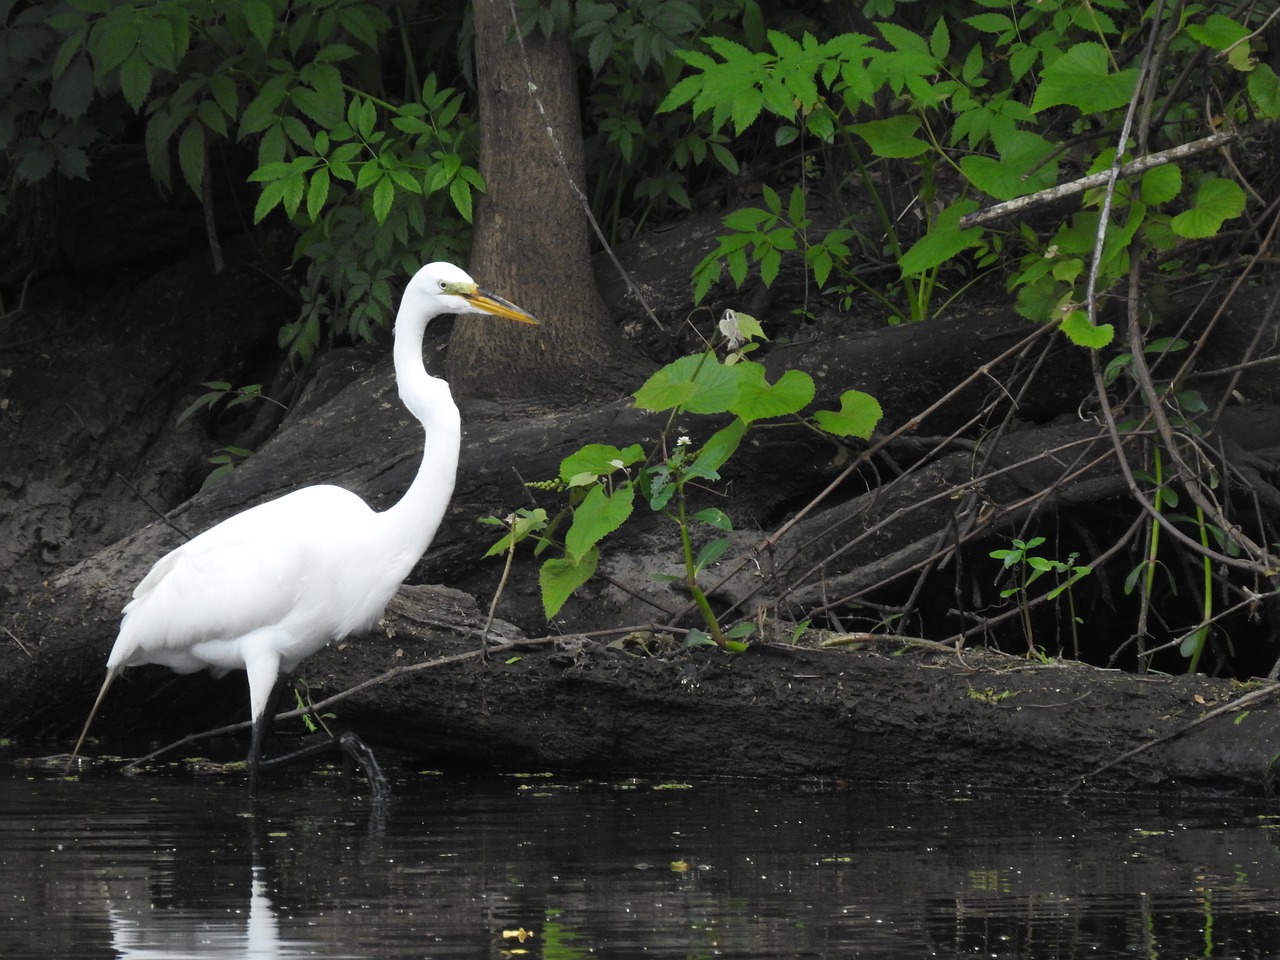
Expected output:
(1237, 704)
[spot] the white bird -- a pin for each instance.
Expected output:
(268, 587)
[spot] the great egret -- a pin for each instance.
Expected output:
(268, 587)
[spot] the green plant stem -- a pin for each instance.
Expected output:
(1153, 546)
(1207, 603)
(886, 221)
(691, 575)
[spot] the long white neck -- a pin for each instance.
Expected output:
(413, 521)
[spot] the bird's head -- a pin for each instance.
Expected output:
(445, 288)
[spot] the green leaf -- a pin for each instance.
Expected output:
(1082, 333)
(758, 399)
(323, 110)
(272, 194)
(698, 383)
(1081, 78)
(72, 91)
(112, 40)
(259, 19)
(990, 22)
(710, 553)
(893, 138)
(461, 195)
(1264, 90)
(1217, 200)
(1010, 176)
(718, 449)
(560, 577)
(1217, 32)
(135, 80)
(317, 193)
(1193, 642)
(1161, 184)
(599, 514)
(944, 240)
(191, 155)
(599, 460)
(715, 517)
(858, 415)
(384, 194)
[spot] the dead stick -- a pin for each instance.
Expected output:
(1248, 698)
(1141, 165)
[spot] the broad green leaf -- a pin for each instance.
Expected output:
(943, 241)
(560, 577)
(893, 138)
(599, 514)
(698, 383)
(1264, 90)
(1217, 32)
(1010, 175)
(1082, 333)
(1081, 78)
(858, 415)
(1161, 184)
(1217, 200)
(599, 460)
(758, 399)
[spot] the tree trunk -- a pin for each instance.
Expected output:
(531, 239)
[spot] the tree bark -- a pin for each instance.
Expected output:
(531, 239)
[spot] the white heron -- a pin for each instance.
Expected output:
(268, 587)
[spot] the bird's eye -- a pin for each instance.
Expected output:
(444, 285)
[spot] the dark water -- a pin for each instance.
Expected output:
(534, 866)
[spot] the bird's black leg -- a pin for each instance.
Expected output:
(258, 736)
(255, 753)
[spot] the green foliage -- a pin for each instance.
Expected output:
(219, 390)
(1028, 567)
(604, 483)
(224, 460)
(375, 180)
(997, 97)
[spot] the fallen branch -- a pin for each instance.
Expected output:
(1237, 704)
(1094, 180)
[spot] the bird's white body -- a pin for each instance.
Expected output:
(266, 588)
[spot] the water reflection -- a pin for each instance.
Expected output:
(141, 932)
(556, 868)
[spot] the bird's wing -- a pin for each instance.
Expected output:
(246, 573)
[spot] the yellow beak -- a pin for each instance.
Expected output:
(490, 303)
